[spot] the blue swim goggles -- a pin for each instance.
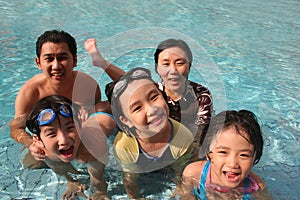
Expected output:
(47, 116)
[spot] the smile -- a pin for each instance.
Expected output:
(232, 176)
(156, 121)
(57, 74)
(68, 152)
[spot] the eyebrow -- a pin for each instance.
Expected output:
(241, 150)
(179, 59)
(51, 54)
(153, 91)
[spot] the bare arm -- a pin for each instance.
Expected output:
(25, 101)
(112, 71)
(17, 131)
(131, 186)
(96, 171)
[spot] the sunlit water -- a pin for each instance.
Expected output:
(245, 52)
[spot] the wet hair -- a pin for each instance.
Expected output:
(243, 121)
(53, 102)
(56, 36)
(173, 43)
(114, 96)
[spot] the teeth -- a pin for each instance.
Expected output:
(65, 149)
(153, 120)
(58, 74)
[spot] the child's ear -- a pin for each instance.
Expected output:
(125, 121)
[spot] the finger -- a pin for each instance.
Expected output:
(39, 155)
(84, 117)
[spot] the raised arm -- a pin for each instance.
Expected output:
(113, 71)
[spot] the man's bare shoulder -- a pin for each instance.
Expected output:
(29, 94)
(33, 86)
(86, 78)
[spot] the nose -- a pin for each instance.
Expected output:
(173, 67)
(232, 161)
(62, 138)
(151, 110)
(55, 64)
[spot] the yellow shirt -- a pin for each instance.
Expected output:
(127, 151)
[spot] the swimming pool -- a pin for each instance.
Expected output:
(246, 53)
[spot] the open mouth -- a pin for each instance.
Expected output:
(232, 176)
(67, 152)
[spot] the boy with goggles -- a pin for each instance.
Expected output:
(55, 126)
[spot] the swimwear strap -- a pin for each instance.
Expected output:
(101, 113)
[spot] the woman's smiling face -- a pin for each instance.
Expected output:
(173, 67)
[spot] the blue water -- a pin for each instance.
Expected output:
(246, 52)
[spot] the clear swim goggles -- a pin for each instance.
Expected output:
(122, 84)
(47, 116)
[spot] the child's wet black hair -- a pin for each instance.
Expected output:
(242, 121)
(53, 102)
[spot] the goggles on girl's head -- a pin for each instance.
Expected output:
(47, 115)
(121, 85)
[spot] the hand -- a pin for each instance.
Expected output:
(74, 189)
(98, 196)
(36, 150)
(83, 113)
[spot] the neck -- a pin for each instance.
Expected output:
(175, 94)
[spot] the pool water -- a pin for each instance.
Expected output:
(246, 52)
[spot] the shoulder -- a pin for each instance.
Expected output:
(29, 94)
(182, 139)
(126, 148)
(180, 130)
(34, 83)
(194, 170)
(258, 180)
(198, 88)
(81, 75)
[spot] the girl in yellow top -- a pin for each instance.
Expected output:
(149, 140)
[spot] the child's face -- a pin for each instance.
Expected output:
(144, 108)
(231, 158)
(61, 141)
